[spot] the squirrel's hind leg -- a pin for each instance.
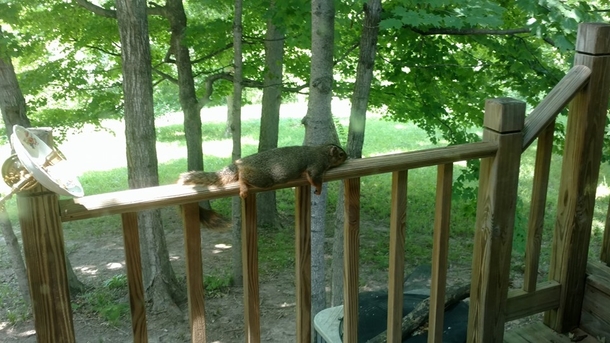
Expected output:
(243, 188)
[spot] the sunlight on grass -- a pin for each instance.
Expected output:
(602, 191)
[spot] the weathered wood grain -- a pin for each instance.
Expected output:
(43, 247)
(173, 195)
(249, 253)
(302, 237)
(496, 205)
(596, 301)
(535, 223)
(194, 271)
(398, 217)
(351, 243)
(554, 102)
(133, 264)
(579, 175)
(600, 271)
(605, 248)
(538, 332)
(520, 303)
(440, 252)
(595, 326)
(595, 315)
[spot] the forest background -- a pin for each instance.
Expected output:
(65, 65)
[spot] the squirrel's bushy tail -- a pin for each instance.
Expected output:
(220, 178)
(210, 218)
(213, 220)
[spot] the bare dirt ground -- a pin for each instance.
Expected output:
(100, 258)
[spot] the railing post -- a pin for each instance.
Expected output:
(499, 176)
(579, 173)
(43, 247)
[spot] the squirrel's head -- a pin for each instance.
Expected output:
(338, 155)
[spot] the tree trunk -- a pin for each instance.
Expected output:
(235, 128)
(270, 116)
(355, 137)
(236, 211)
(159, 279)
(14, 251)
(12, 102)
(12, 106)
(186, 88)
(320, 129)
(186, 84)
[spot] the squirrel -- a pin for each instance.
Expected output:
(268, 168)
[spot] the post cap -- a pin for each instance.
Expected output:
(504, 115)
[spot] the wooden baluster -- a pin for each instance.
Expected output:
(194, 271)
(535, 224)
(605, 252)
(398, 217)
(249, 253)
(133, 263)
(302, 237)
(351, 243)
(440, 252)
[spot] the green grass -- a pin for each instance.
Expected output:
(11, 300)
(217, 284)
(276, 245)
(108, 301)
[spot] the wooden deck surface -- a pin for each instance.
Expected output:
(540, 333)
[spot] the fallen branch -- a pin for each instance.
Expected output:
(419, 315)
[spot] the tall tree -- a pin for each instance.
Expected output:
(174, 11)
(235, 115)
(270, 110)
(12, 106)
(12, 102)
(160, 282)
(320, 129)
(355, 136)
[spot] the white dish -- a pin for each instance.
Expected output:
(35, 154)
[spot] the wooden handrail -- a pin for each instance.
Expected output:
(173, 195)
(554, 102)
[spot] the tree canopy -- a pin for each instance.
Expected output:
(437, 61)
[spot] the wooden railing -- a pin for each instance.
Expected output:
(491, 302)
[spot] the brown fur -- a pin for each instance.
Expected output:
(271, 167)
